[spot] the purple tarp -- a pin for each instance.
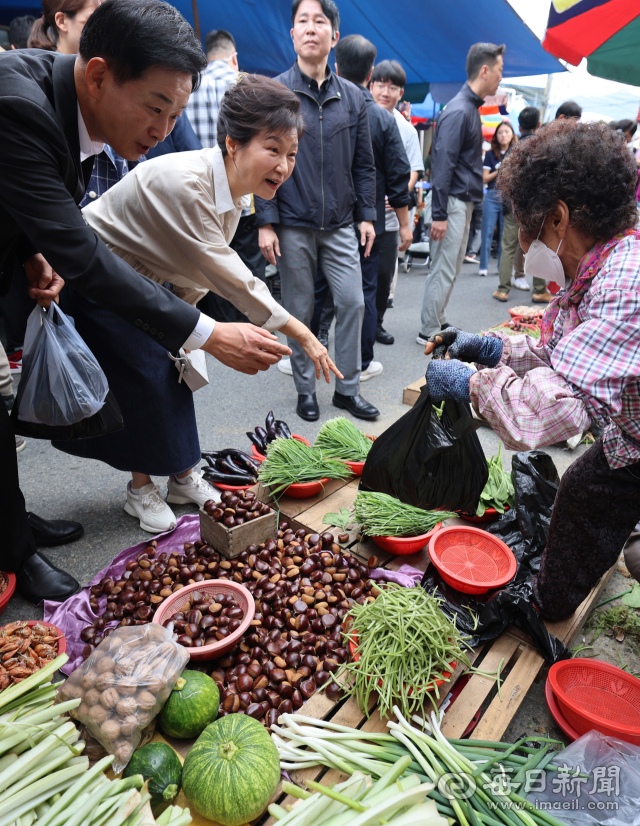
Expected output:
(75, 614)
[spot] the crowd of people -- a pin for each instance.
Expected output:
(162, 188)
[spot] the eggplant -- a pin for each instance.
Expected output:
(283, 427)
(235, 479)
(210, 455)
(272, 434)
(229, 466)
(257, 441)
(269, 420)
(248, 464)
(261, 433)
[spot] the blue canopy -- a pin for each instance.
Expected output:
(429, 37)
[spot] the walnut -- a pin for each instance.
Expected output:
(143, 673)
(109, 698)
(92, 697)
(156, 683)
(145, 700)
(126, 706)
(106, 680)
(110, 730)
(71, 692)
(125, 666)
(97, 715)
(123, 751)
(89, 679)
(82, 712)
(128, 725)
(105, 664)
(127, 686)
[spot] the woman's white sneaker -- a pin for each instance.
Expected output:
(192, 489)
(150, 509)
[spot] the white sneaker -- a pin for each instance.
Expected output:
(284, 366)
(374, 369)
(483, 272)
(150, 508)
(520, 284)
(195, 490)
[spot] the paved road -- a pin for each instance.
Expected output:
(57, 485)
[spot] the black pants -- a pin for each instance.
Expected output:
(16, 538)
(389, 241)
(595, 511)
(15, 309)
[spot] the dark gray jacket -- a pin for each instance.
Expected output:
(456, 158)
(334, 180)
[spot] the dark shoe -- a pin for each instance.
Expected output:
(389, 303)
(308, 407)
(39, 579)
(356, 405)
(323, 337)
(383, 337)
(50, 532)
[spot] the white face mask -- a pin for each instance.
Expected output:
(541, 262)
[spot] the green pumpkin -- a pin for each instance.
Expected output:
(232, 771)
(159, 764)
(192, 705)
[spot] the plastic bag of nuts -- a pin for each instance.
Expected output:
(124, 684)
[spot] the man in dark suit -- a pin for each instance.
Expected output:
(139, 61)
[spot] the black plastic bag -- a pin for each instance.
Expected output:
(429, 462)
(107, 420)
(524, 529)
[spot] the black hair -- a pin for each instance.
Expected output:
(20, 29)
(625, 125)
(482, 54)
(389, 71)
(217, 40)
(355, 56)
(529, 119)
(134, 35)
(256, 104)
(586, 165)
(570, 109)
(329, 9)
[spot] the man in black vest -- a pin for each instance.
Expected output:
(139, 61)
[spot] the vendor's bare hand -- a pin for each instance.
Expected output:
(245, 348)
(438, 230)
(45, 283)
(406, 238)
(367, 236)
(269, 243)
(320, 357)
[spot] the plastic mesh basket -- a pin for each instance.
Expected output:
(472, 560)
(596, 695)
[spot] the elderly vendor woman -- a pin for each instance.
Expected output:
(572, 188)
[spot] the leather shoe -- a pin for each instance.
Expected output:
(356, 405)
(323, 337)
(383, 337)
(39, 579)
(50, 532)
(307, 407)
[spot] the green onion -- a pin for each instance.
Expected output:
(499, 491)
(341, 439)
(382, 515)
(289, 461)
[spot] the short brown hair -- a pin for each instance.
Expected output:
(255, 104)
(495, 146)
(586, 165)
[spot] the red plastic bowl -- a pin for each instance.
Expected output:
(357, 467)
(62, 642)
(243, 597)
(6, 595)
(472, 560)
(446, 675)
(571, 733)
(490, 515)
(405, 545)
(303, 490)
(232, 487)
(592, 694)
(261, 457)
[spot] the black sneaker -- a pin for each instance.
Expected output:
(422, 339)
(323, 337)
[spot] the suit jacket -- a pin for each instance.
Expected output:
(41, 183)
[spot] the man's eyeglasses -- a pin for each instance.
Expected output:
(388, 86)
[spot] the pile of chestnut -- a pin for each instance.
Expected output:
(236, 509)
(206, 619)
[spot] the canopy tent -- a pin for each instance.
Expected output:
(430, 38)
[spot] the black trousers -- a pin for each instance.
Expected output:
(15, 309)
(16, 537)
(389, 241)
(595, 511)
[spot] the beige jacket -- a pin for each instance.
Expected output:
(172, 219)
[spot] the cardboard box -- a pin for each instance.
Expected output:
(230, 542)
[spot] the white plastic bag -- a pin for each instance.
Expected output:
(61, 382)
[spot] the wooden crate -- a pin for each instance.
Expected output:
(411, 392)
(230, 542)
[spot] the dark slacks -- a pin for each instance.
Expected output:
(16, 538)
(389, 241)
(15, 308)
(595, 511)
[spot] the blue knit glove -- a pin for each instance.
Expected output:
(468, 347)
(449, 380)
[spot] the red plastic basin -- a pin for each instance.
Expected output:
(472, 560)
(405, 545)
(261, 457)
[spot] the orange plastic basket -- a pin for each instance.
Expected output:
(592, 694)
(471, 560)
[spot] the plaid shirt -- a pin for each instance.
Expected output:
(545, 394)
(108, 169)
(204, 104)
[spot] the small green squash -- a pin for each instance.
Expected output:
(232, 771)
(192, 705)
(159, 764)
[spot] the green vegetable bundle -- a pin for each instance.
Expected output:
(383, 515)
(289, 461)
(405, 643)
(498, 492)
(341, 439)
